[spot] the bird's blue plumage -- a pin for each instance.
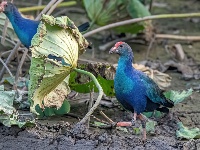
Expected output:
(135, 90)
(26, 28)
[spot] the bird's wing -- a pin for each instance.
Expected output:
(153, 92)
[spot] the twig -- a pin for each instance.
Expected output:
(7, 52)
(91, 103)
(150, 5)
(34, 8)
(4, 31)
(9, 59)
(149, 47)
(99, 119)
(74, 9)
(7, 68)
(188, 112)
(111, 43)
(177, 37)
(98, 98)
(110, 126)
(45, 9)
(19, 43)
(54, 7)
(39, 4)
(74, 116)
(130, 21)
(106, 117)
(93, 52)
(20, 65)
(8, 40)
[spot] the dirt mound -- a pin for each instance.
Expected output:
(60, 136)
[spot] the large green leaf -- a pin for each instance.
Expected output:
(186, 133)
(107, 85)
(55, 49)
(177, 96)
(103, 12)
(136, 9)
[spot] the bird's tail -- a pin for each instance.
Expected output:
(83, 27)
(163, 109)
(168, 103)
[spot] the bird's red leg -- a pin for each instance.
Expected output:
(143, 121)
(134, 118)
(125, 124)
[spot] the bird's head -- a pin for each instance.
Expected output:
(122, 48)
(7, 7)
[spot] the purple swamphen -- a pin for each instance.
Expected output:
(135, 90)
(25, 28)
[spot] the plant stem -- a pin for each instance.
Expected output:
(20, 65)
(130, 21)
(107, 118)
(177, 37)
(34, 8)
(6, 68)
(54, 7)
(4, 31)
(93, 78)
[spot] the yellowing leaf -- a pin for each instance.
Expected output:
(55, 49)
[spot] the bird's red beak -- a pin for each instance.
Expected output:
(113, 50)
(2, 6)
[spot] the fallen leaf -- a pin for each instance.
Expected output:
(177, 96)
(186, 133)
(8, 115)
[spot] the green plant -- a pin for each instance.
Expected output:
(104, 12)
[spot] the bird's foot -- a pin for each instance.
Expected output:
(144, 141)
(124, 124)
(133, 122)
(114, 124)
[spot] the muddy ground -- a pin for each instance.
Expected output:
(57, 133)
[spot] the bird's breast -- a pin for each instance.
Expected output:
(123, 84)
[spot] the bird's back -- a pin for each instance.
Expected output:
(153, 92)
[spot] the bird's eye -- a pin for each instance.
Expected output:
(121, 46)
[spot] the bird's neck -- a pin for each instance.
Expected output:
(24, 28)
(125, 64)
(15, 18)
